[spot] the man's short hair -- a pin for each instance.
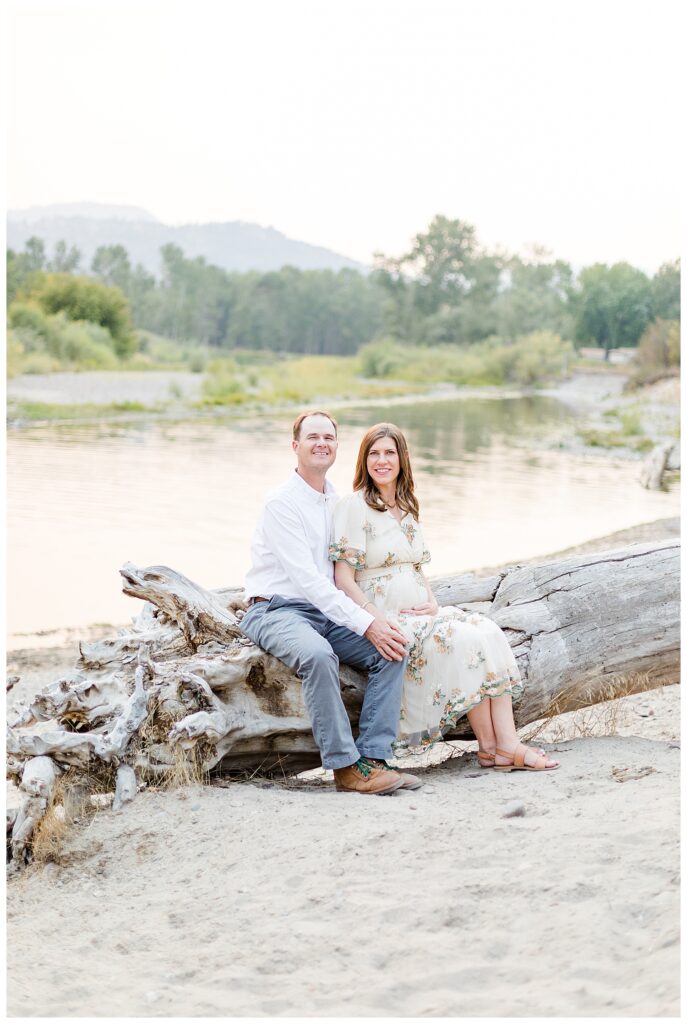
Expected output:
(298, 422)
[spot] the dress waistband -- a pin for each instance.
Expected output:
(386, 570)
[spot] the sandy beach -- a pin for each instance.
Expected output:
(284, 898)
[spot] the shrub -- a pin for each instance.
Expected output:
(379, 358)
(140, 361)
(532, 359)
(474, 366)
(222, 386)
(658, 353)
(197, 361)
(308, 378)
(160, 350)
(631, 423)
(29, 316)
(51, 343)
(15, 353)
(39, 362)
(155, 352)
(86, 346)
(80, 298)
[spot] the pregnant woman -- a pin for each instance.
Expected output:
(459, 662)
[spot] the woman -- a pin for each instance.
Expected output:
(459, 663)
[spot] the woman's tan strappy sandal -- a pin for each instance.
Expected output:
(517, 764)
(484, 755)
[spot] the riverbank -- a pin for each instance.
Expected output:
(612, 419)
(264, 380)
(269, 898)
(149, 396)
(605, 419)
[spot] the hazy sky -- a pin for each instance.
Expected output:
(350, 123)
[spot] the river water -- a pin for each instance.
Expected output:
(84, 499)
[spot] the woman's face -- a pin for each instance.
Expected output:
(383, 463)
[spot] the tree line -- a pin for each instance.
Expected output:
(447, 290)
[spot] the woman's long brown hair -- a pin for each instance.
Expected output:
(405, 486)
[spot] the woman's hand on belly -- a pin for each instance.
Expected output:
(427, 608)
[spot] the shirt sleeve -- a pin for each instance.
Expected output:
(348, 541)
(284, 534)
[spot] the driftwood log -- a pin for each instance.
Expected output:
(655, 465)
(183, 690)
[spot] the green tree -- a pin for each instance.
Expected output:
(64, 260)
(612, 305)
(196, 298)
(535, 297)
(665, 291)
(24, 268)
(35, 254)
(111, 265)
(319, 312)
(398, 309)
(441, 264)
(474, 318)
(434, 278)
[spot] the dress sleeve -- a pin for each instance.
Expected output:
(425, 556)
(348, 541)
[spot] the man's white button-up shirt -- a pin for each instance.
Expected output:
(290, 553)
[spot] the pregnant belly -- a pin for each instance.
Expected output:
(403, 590)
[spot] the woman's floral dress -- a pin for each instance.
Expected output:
(456, 658)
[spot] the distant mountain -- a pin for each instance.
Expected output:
(235, 245)
(98, 211)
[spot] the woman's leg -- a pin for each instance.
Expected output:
(501, 710)
(482, 726)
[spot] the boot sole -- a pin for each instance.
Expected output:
(379, 792)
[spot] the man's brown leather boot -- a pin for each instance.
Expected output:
(363, 778)
(409, 781)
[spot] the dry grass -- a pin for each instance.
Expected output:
(70, 801)
(595, 711)
(187, 769)
(72, 798)
(49, 835)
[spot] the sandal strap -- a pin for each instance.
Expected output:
(486, 755)
(517, 756)
(521, 753)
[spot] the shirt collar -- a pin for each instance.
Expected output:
(310, 492)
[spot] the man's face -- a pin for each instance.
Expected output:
(317, 444)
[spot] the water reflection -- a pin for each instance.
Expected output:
(443, 430)
(84, 499)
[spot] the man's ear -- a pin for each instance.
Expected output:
(295, 444)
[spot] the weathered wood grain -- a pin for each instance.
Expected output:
(184, 681)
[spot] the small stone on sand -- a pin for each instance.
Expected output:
(514, 809)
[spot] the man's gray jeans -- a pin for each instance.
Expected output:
(312, 645)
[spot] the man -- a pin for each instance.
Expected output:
(297, 614)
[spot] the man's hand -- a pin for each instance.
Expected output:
(428, 608)
(389, 640)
